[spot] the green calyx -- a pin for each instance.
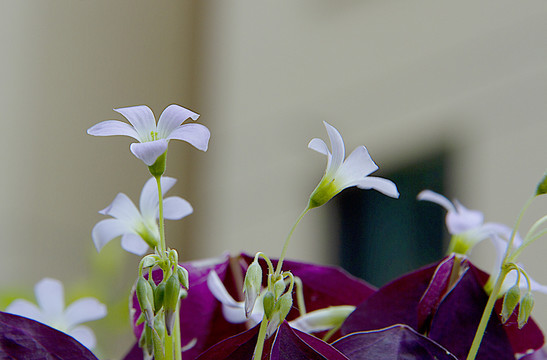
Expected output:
(325, 191)
(158, 168)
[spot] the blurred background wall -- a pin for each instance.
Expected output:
(406, 79)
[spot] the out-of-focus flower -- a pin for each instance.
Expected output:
(153, 139)
(342, 173)
(467, 227)
(139, 229)
(51, 311)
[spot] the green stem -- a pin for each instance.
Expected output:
(486, 314)
(161, 220)
(260, 340)
(286, 245)
(514, 233)
(176, 334)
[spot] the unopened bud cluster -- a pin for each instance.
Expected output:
(514, 297)
(276, 298)
(158, 302)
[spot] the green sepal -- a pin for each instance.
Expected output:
(510, 302)
(159, 351)
(159, 295)
(140, 319)
(542, 186)
(182, 275)
(279, 288)
(158, 168)
(525, 309)
(268, 302)
(145, 296)
(170, 302)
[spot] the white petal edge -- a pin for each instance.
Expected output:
(26, 309)
(385, 186)
(216, 287)
(338, 150)
(176, 208)
(122, 208)
(50, 296)
(172, 117)
(84, 336)
(83, 310)
(149, 151)
(194, 134)
(142, 119)
(319, 146)
(113, 128)
(322, 319)
(134, 244)
(106, 230)
(149, 200)
(436, 198)
(355, 168)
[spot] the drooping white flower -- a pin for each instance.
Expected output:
(313, 321)
(342, 173)
(51, 311)
(467, 227)
(153, 139)
(139, 229)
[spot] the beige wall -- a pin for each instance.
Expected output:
(404, 78)
(65, 65)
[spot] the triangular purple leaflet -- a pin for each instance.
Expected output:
(22, 338)
(395, 342)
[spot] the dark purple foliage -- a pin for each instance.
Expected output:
(22, 338)
(396, 342)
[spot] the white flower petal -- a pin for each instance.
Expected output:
(216, 287)
(149, 152)
(25, 308)
(234, 314)
(337, 147)
(322, 319)
(172, 117)
(194, 134)
(50, 297)
(319, 146)
(113, 127)
(134, 244)
(175, 208)
(463, 219)
(84, 336)
(149, 201)
(122, 208)
(385, 186)
(142, 119)
(83, 310)
(432, 196)
(355, 168)
(106, 230)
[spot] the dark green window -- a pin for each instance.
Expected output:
(382, 238)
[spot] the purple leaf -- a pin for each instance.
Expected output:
(293, 344)
(22, 338)
(237, 347)
(396, 342)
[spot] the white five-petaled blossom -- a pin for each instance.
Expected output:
(139, 229)
(342, 173)
(51, 311)
(467, 227)
(153, 139)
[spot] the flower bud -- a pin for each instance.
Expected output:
(268, 302)
(159, 294)
(510, 302)
(145, 296)
(279, 288)
(182, 275)
(281, 310)
(170, 302)
(251, 287)
(525, 308)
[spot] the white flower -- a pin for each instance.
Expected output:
(51, 311)
(466, 226)
(139, 229)
(341, 174)
(153, 139)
